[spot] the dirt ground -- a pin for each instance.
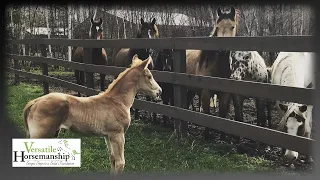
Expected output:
(246, 146)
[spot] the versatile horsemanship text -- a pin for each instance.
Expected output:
(46, 153)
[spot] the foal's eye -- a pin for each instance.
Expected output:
(232, 27)
(149, 77)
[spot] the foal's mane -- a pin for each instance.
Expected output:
(114, 82)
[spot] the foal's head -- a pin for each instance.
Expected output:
(226, 23)
(148, 29)
(165, 60)
(144, 79)
(294, 123)
(96, 29)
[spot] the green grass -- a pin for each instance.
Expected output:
(148, 148)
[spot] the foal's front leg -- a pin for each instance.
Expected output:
(117, 142)
(111, 153)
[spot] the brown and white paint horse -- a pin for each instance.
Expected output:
(213, 63)
(106, 114)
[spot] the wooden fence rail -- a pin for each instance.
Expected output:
(239, 43)
(248, 88)
(265, 135)
(181, 80)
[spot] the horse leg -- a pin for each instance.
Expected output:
(269, 109)
(238, 110)
(261, 118)
(165, 100)
(190, 95)
(102, 81)
(117, 142)
(111, 153)
(152, 115)
(77, 74)
(205, 102)
(82, 78)
(224, 107)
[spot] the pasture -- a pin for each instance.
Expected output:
(151, 148)
(214, 139)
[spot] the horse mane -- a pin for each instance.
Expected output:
(157, 31)
(114, 82)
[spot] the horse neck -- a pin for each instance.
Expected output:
(221, 59)
(124, 90)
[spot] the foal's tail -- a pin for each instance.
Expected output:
(26, 111)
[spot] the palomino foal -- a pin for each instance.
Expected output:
(106, 114)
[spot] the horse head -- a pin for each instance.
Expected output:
(96, 29)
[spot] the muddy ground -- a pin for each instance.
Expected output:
(246, 146)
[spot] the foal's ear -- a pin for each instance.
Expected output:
(145, 63)
(303, 108)
(283, 107)
(135, 57)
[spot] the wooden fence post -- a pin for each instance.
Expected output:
(16, 65)
(44, 68)
(180, 92)
(87, 58)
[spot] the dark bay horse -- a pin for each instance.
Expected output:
(213, 63)
(164, 62)
(121, 57)
(99, 55)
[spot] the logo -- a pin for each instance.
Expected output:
(46, 152)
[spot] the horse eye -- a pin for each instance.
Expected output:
(149, 77)
(232, 27)
(292, 114)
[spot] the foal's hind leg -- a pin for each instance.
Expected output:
(43, 128)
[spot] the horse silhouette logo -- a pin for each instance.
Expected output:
(66, 149)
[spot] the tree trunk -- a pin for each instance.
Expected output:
(69, 30)
(49, 30)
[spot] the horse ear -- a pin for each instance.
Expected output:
(142, 21)
(145, 63)
(219, 11)
(100, 22)
(233, 11)
(303, 108)
(283, 107)
(154, 21)
(134, 57)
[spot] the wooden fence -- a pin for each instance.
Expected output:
(180, 80)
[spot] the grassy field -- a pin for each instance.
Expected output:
(148, 148)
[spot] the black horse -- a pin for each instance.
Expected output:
(164, 62)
